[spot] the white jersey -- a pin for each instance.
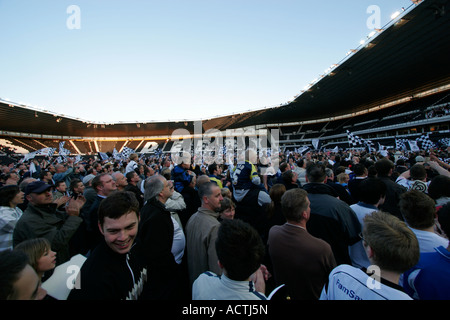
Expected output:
(210, 286)
(349, 283)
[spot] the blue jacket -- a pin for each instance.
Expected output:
(181, 178)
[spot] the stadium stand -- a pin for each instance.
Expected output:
(396, 85)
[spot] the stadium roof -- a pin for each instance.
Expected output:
(408, 58)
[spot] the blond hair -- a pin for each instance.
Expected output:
(395, 246)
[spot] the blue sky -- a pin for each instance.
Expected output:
(144, 60)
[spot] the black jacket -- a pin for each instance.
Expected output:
(192, 200)
(156, 233)
(332, 220)
(344, 195)
(393, 193)
(108, 275)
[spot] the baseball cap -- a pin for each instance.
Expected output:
(420, 159)
(88, 178)
(37, 187)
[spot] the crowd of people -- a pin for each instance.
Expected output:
(321, 225)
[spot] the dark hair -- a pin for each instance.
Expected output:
(418, 209)
(7, 193)
(418, 172)
(11, 265)
(73, 184)
(339, 170)
(43, 174)
(116, 205)
(276, 192)
(287, 176)
(239, 248)
(283, 166)
(315, 172)
(130, 175)
(97, 182)
(370, 190)
(359, 169)
(439, 187)
(444, 218)
(57, 183)
(372, 171)
(383, 166)
(212, 167)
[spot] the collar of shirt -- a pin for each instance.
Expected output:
(366, 205)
